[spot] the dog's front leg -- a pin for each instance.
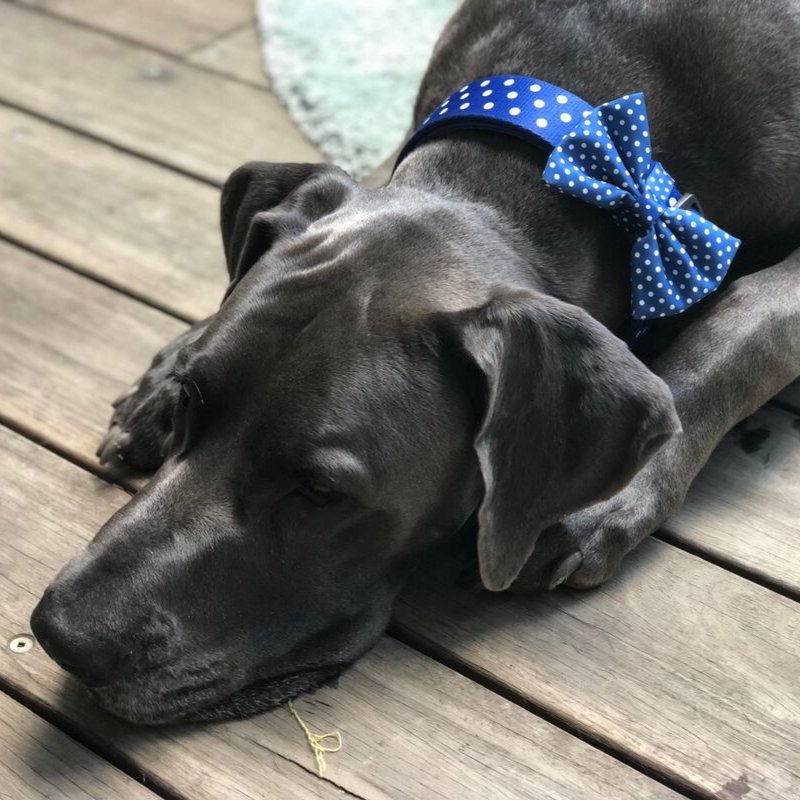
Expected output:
(722, 368)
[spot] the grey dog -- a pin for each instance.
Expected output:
(389, 363)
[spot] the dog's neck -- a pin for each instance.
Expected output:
(573, 250)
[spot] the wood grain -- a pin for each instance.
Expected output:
(38, 762)
(198, 121)
(133, 224)
(681, 664)
(238, 55)
(744, 507)
(176, 26)
(410, 726)
(67, 344)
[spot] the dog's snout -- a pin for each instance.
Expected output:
(72, 643)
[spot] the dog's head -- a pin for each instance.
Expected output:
(381, 368)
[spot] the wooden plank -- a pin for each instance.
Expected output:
(411, 727)
(38, 762)
(744, 508)
(175, 26)
(133, 224)
(67, 345)
(195, 120)
(237, 54)
(681, 664)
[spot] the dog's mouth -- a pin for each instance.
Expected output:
(211, 701)
(264, 695)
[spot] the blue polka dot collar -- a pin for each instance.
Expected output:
(603, 156)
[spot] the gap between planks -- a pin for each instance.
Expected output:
(109, 283)
(56, 122)
(200, 121)
(182, 55)
(37, 760)
(201, 53)
(74, 734)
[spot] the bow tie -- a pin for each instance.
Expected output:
(603, 156)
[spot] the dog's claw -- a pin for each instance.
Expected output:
(564, 569)
(116, 440)
(104, 442)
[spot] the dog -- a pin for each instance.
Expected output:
(390, 363)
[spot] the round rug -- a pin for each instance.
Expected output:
(348, 70)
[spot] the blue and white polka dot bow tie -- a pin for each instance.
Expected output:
(603, 156)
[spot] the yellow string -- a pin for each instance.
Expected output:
(315, 742)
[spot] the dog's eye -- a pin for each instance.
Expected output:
(186, 398)
(185, 417)
(190, 394)
(319, 494)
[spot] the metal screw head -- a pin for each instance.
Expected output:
(21, 643)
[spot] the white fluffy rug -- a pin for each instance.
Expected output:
(348, 70)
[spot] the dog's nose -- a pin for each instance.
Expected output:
(83, 652)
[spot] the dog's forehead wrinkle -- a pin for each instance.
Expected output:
(323, 247)
(331, 242)
(253, 340)
(405, 222)
(448, 258)
(334, 461)
(393, 260)
(359, 414)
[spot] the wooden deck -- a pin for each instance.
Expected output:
(119, 120)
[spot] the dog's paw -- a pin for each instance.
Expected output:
(588, 547)
(601, 537)
(140, 432)
(141, 426)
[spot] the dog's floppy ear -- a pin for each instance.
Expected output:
(262, 201)
(569, 416)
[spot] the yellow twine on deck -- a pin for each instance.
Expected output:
(315, 742)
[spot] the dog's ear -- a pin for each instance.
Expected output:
(569, 415)
(262, 201)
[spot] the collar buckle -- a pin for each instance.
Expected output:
(688, 200)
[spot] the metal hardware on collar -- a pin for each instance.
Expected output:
(688, 200)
